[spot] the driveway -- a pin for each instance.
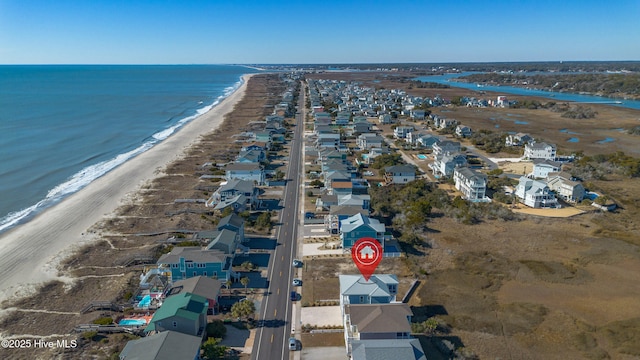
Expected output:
(324, 353)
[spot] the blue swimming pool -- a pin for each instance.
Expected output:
(145, 302)
(422, 156)
(132, 322)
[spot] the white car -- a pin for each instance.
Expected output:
(297, 263)
(296, 282)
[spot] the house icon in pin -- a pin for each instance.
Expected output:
(367, 253)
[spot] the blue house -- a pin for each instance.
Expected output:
(358, 226)
(186, 262)
(379, 289)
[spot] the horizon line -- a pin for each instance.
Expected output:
(319, 64)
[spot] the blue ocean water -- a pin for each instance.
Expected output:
(63, 126)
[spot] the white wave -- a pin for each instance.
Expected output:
(85, 176)
(76, 182)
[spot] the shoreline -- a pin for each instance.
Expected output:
(32, 251)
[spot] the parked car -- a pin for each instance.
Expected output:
(293, 344)
(296, 282)
(309, 215)
(297, 263)
(294, 296)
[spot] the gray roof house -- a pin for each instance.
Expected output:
(470, 183)
(463, 131)
(379, 289)
(245, 171)
(229, 191)
(517, 139)
(405, 349)
(565, 187)
(250, 156)
(542, 168)
(427, 141)
(399, 174)
(226, 241)
(341, 212)
(369, 140)
(446, 147)
(540, 151)
(444, 165)
(535, 194)
(167, 345)
(206, 287)
(376, 322)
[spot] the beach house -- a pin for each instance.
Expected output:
(376, 322)
(399, 174)
(566, 187)
(186, 262)
(379, 289)
(163, 345)
(518, 139)
(406, 349)
(470, 183)
(358, 226)
(369, 140)
(535, 193)
(539, 151)
(445, 147)
(463, 131)
(245, 171)
(444, 165)
(185, 313)
(206, 287)
(542, 168)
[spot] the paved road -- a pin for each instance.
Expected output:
(272, 337)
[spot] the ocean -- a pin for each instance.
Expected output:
(63, 126)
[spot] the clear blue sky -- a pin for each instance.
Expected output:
(327, 31)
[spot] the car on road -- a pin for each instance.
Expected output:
(293, 344)
(294, 296)
(296, 282)
(297, 263)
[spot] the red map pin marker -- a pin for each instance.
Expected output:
(366, 254)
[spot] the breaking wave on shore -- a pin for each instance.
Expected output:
(92, 172)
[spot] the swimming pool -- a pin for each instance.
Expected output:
(145, 302)
(422, 156)
(132, 322)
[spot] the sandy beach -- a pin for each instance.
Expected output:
(31, 252)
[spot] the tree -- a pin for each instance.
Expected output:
(216, 329)
(245, 282)
(264, 220)
(243, 308)
(228, 285)
(211, 349)
(279, 175)
(227, 211)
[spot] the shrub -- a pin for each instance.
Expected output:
(90, 335)
(216, 329)
(103, 321)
